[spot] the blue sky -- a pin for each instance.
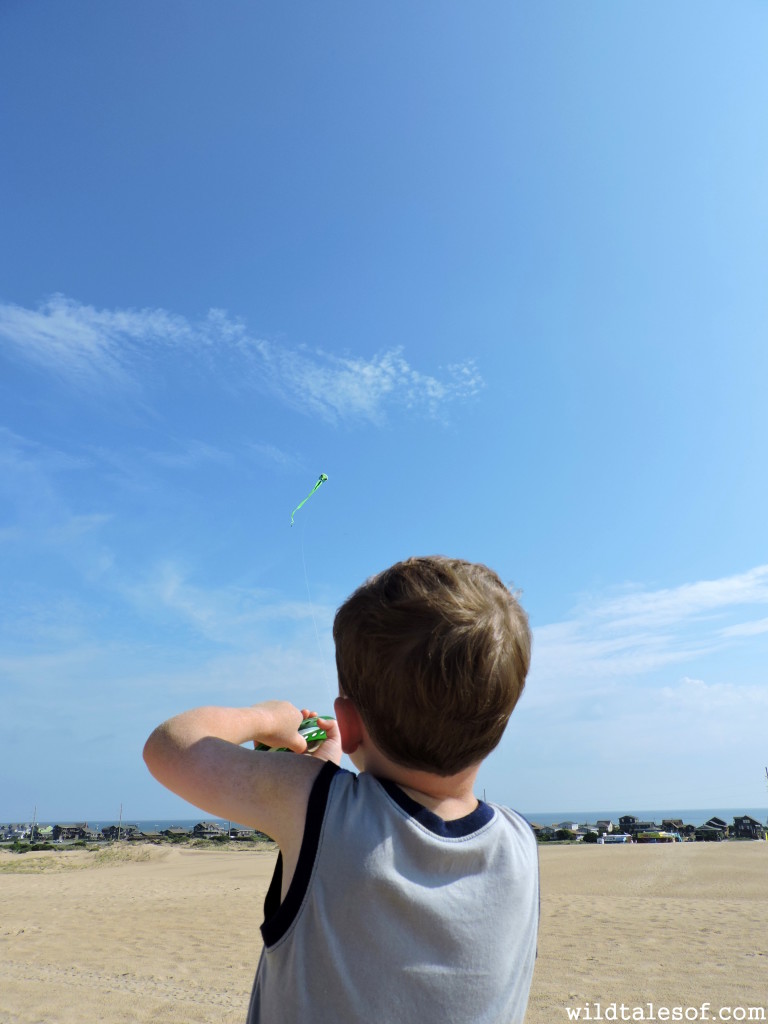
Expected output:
(497, 269)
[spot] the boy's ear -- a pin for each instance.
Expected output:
(350, 724)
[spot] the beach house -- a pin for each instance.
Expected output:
(62, 833)
(209, 830)
(111, 832)
(746, 827)
(712, 831)
(145, 837)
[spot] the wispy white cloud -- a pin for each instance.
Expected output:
(746, 629)
(229, 615)
(658, 608)
(710, 700)
(354, 388)
(642, 699)
(93, 350)
(87, 346)
(633, 634)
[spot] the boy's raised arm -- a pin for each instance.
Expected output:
(198, 755)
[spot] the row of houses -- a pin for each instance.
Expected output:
(130, 833)
(715, 829)
(631, 828)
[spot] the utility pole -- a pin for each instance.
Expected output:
(120, 823)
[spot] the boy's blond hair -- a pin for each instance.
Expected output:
(433, 653)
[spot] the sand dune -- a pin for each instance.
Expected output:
(169, 934)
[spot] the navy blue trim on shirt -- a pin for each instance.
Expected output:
(458, 828)
(278, 917)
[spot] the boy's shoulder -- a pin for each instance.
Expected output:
(363, 803)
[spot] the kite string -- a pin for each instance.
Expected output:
(326, 681)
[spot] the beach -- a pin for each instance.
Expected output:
(156, 933)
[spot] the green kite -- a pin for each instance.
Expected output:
(321, 480)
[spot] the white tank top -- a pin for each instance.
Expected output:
(398, 916)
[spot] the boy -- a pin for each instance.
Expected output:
(397, 895)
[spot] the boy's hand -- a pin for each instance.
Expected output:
(280, 728)
(330, 748)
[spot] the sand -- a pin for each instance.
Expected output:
(166, 934)
(676, 925)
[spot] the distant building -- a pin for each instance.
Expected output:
(16, 831)
(709, 834)
(208, 830)
(676, 825)
(631, 825)
(746, 827)
(69, 832)
(718, 823)
(112, 832)
(242, 833)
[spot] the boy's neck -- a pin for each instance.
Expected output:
(448, 806)
(449, 797)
